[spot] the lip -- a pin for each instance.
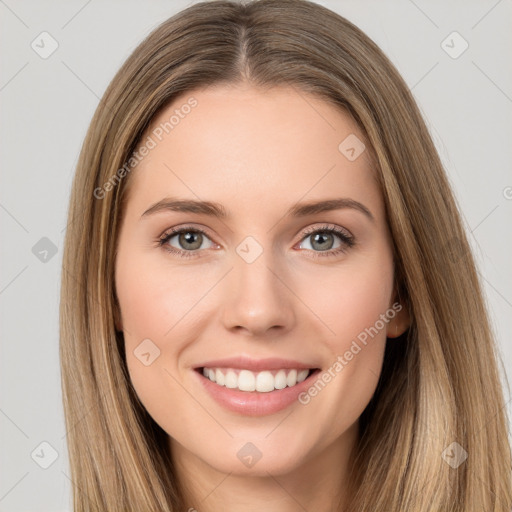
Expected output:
(254, 403)
(256, 365)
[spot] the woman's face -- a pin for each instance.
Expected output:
(288, 317)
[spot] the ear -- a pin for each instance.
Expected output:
(401, 320)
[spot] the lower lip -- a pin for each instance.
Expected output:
(255, 403)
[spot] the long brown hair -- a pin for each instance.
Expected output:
(440, 382)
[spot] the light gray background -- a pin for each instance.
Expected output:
(47, 104)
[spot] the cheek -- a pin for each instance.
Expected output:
(145, 299)
(160, 305)
(158, 299)
(349, 299)
(354, 303)
(356, 306)
(151, 304)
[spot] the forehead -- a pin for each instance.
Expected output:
(248, 148)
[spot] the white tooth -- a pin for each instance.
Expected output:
(280, 380)
(231, 380)
(264, 382)
(302, 375)
(246, 381)
(219, 377)
(291, 380)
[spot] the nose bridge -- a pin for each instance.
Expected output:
(257, 299)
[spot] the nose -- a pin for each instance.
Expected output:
(258, 300)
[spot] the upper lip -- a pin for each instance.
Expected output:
(255, 365)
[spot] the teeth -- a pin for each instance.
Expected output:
(246, 381)
(280, 380)
(291, 379)
(231, 380)
(264, 381)
(219, 377)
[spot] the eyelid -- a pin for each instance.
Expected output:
(326, 227)
(305, 232)
(191, 227)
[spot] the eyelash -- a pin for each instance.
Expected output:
(347, 240)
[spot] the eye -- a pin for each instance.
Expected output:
(189, 241)
(324, 238)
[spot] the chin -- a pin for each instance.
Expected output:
(258, 457)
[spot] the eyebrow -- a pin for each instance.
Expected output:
(214, 209)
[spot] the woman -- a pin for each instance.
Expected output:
(259, 368)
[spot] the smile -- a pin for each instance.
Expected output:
(263, 381)
(253, 387)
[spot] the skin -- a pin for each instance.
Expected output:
(257, 153)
